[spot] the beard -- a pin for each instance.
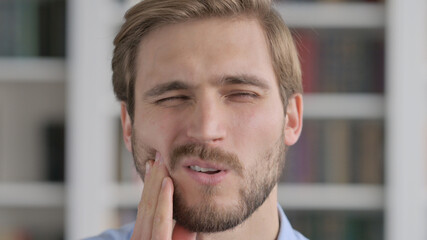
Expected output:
(257, 183)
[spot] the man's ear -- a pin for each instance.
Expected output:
(126, 126)
(293, 119)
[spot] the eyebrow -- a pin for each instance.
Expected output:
(242, 79)
(166, 87)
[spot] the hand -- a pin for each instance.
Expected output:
(154, 218)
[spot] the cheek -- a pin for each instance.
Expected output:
(156, 131)
(257, 130)
(260, 119)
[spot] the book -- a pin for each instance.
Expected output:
(26, 31)
(7, 27)
(368, 154)
(307, 45)
(337, 225)
(332, 226)
(341, 60)
(55, 151)
(52, 17)
(337, 151)
(15, 234)
(336, 158)
(32, 28)
(301, 159)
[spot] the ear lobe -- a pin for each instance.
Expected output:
(126, 126)
(293, 119)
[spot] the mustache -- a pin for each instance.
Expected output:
(208, 154)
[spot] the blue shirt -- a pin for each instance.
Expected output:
(286, 231)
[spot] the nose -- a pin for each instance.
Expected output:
(206, 122)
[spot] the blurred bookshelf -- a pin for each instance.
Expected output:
(331, 189)
(338, 162)
(336, 184)
(32, 69)
(337, 151)
(32, 195)
(335, 224)
(32, 115)
(31, 181)
(32, 28)
(346, 14)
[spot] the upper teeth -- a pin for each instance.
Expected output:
(200, 169)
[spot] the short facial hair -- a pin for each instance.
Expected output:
(207, 216)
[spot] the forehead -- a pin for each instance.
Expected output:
(203, 49)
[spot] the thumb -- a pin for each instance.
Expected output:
(180, 233)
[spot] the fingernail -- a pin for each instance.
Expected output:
(164, 182)
(157, 157)
(147, 167)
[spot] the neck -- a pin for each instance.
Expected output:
(262, 224)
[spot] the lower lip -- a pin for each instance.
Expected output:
(206, 179)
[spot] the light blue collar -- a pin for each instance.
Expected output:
(286, 231)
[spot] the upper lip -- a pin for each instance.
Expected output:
(203, 164)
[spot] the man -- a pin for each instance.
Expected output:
(210, 97)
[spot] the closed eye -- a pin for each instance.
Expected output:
(172, 100)
(242, 96)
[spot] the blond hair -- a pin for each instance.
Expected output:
(150, 14)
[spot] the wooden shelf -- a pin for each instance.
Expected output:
(291, 196)
(343, 106)
(331, 196)
(128, 194)
(32, 195)
(295, 196)
(32, 69)
(324, 106)
(333, 15)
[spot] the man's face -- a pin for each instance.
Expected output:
(207, 99)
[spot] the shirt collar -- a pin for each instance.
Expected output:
(286, 232)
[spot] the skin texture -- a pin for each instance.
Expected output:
(203, 106)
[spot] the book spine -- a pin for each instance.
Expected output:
(336, 155)
(308, 54)
(52, 28)
(26, 30)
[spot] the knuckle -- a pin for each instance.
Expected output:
(149, 204)
(145, 206)
(158, 220)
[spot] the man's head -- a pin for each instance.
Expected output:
(213, 86)
(149, 15)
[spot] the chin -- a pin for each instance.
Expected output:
(211, 209)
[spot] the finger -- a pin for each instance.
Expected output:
(181, 233)
(148, 165)
(150, 193)
(163, 221)
(137, 232)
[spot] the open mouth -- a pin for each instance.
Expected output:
(204, 170)
(206, 173)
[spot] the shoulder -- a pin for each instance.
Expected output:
(123, 233)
